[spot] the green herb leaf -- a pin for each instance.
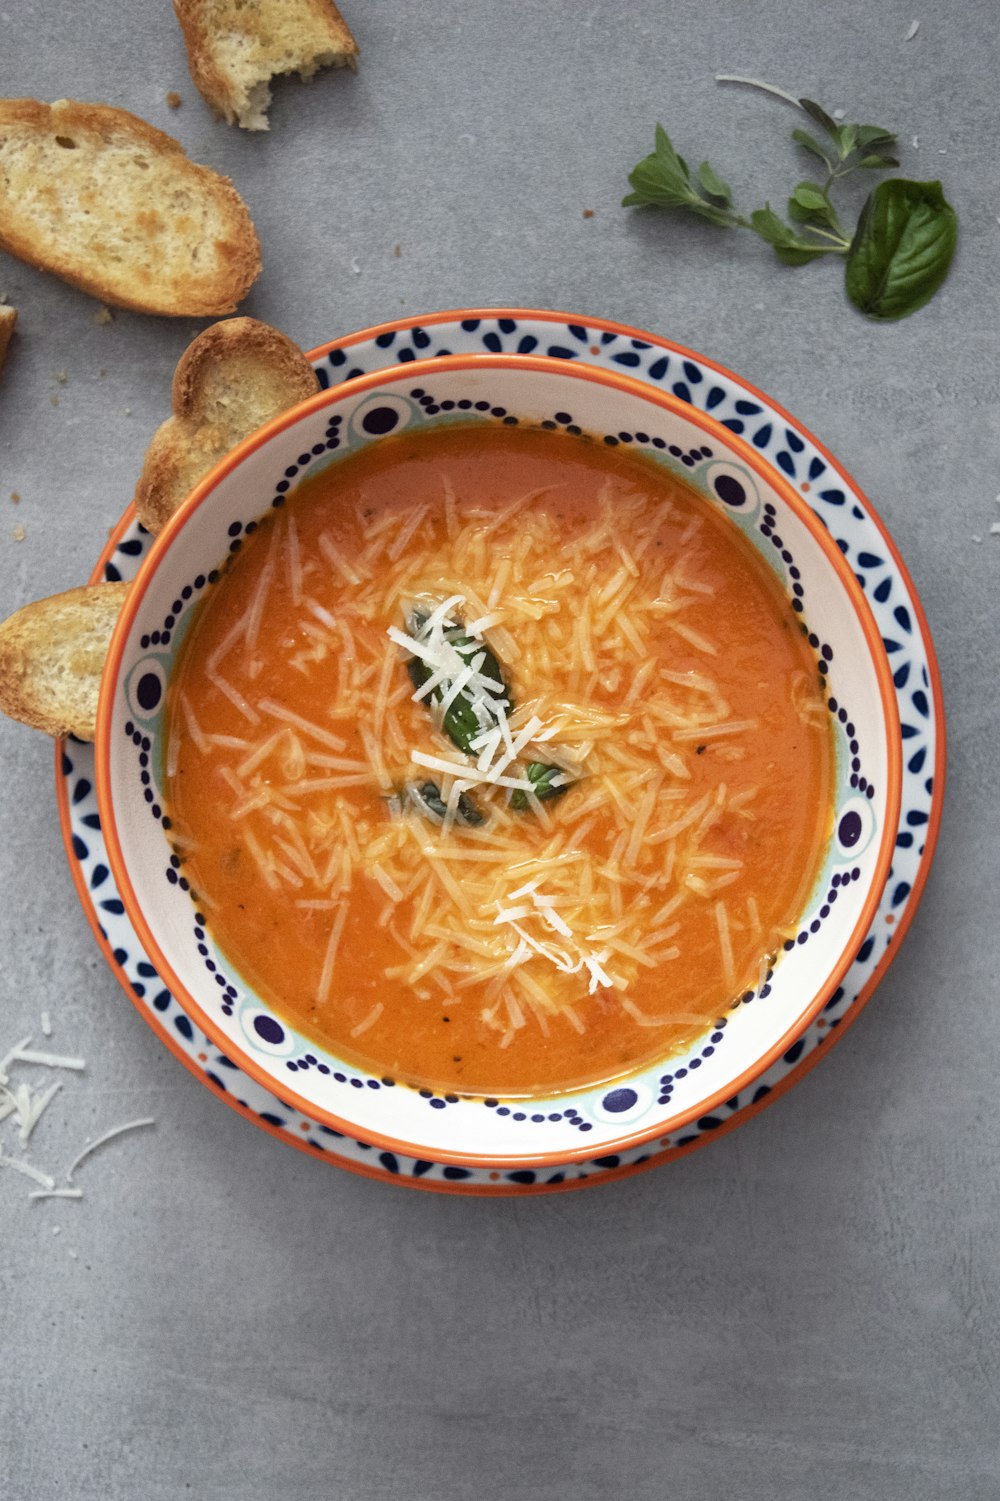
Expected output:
(818, 113)
(766, 223)
(902, 248)
(847, 138)
(878, 162)
(713, 184)
(666, 153)
(461, 722)
(663, 179)
(541, 778)
(788, 247)
(428, 797)
(874, 138)
(810, 143)
(810, 196)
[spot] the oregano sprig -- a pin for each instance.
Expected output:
(898, 255)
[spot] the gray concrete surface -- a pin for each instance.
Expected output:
(806, 1309)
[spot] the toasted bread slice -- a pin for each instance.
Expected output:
(115, 207)
(52, 655)
(8, 319)
(233, 378)
(235, 47)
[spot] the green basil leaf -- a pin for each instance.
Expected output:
(818, 113)
(652, 182)
(789, 249)
(902, 248)
(874, 138)
(766, 223)
(668, 156)
(809, 195)
(810, 143)
(541, 776)
(879, 163)
(797, 254)
(847, 138)
(713, 184)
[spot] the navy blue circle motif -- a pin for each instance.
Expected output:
(149, 691)
(729, 490)
(380, 420)
(849, 829)
(267, 1028)
(619, 1100)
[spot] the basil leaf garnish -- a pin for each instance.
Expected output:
(902, 248)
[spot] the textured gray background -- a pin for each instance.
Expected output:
(805, 1309)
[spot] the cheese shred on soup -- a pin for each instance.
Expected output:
(498, 761)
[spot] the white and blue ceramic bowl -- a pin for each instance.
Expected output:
(733, 476)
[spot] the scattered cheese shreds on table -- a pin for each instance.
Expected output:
(18, 1099)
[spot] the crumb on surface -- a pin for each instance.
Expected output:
(173, 99)
(15, 497)
(18, 533)
(398, 250)
(588, 213)
(60, 376)
(126, 411)
(103, 315)
(54, 399)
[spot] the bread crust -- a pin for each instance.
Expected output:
(128, 203)
(52, 655)
(234, 377)
(8, 322)
(315, 29)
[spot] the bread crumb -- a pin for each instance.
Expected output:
(173, 99)
(398, 250)
(54, 399)
(103, 315)
(15, 497)
(18, 533)
(588, 213)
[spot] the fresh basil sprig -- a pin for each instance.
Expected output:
(897, 257)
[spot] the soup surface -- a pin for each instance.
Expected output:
(550, 827)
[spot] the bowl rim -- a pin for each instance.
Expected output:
(417, 370)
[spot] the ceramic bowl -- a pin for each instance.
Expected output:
(184, 563)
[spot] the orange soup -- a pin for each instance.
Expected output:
(498, 761)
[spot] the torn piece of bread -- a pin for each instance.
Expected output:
(235, 47)
(233, 378)
(115, 207)
(52, 655)
(8, 318)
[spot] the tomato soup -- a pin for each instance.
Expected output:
(498, 761)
